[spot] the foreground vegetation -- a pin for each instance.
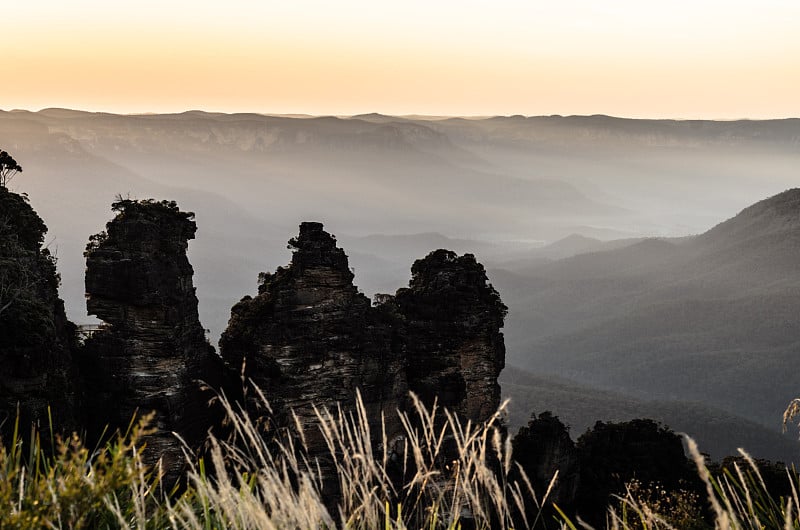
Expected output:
(450, 475)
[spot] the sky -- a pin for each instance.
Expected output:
(710, 59)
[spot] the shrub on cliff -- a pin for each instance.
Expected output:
(147, 210)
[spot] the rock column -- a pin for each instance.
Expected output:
(152, 351)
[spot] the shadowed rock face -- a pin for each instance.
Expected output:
(152, 351)
(455, 349)
(309, 338)
(612, 454)
(601, 464)
(36, 339)
(543, 448)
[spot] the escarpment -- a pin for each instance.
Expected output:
(151, 352)
(37, 342)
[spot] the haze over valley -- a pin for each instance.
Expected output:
(601, 234)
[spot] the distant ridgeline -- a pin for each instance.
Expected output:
(307, 339)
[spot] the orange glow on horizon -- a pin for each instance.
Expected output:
(708, 59)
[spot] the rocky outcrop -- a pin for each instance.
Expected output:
(606, 460)
(613, 454)
(310, 339)
(36, 339)
(452, 318)
(151, 352)
(543, 448)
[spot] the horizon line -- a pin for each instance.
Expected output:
(304, 115)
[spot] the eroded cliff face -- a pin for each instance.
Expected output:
(36, 339)
(152, 351)
(452, 319)
(309, 338)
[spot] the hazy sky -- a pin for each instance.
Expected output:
(637, 58)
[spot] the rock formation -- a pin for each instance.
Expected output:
(152, 351)
(309, 338)
(36, 339)
(612, 454)
(541, 449)
(452, 319)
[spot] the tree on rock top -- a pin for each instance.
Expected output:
(8, 168)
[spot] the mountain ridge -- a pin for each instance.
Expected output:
(708, 318)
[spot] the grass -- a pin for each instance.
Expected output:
(69, 486)
(439, 473)
(738, 500)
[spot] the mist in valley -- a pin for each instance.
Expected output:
(626, 295)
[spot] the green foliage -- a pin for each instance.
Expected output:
(147, 211)
(738, 497)
(445, 283)
(614, 454)
(67, 486)
(148, 207)
(28, 281)
(679, 508)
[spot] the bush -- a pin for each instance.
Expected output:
(67, 486)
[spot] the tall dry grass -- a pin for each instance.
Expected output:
(738, 499)
(437, 473)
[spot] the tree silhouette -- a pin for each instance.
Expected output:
(8, 168)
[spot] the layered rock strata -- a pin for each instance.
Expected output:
(310, 339)
(151, 353)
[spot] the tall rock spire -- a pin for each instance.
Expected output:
(310, 339)
(152, 351)
(454, 347)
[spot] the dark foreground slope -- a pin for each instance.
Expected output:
(713, 319)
